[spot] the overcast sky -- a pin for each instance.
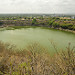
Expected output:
(37, 6)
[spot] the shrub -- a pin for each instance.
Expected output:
(33, 21)
(66, 26)
(1, 23)
(35, 60)
(55, 25)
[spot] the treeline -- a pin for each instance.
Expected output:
(61, 24)
(35, 60)
(54, 22)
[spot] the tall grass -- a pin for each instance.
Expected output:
(35, 60)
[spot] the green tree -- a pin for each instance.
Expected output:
(1, 23)
(33, 21)
(50, 23)
(55, 25)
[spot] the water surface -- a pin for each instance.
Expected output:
(25, 36)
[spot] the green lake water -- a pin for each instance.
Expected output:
(25, 36)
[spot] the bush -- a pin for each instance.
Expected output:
(50, 23)
(1, 23)
(67, 26)
(33, 21)
(55, 25)
(35, 60)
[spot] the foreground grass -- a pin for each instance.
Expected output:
(35, 60)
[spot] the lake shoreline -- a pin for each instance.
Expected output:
(11, 27)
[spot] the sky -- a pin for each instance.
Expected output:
(38, 6)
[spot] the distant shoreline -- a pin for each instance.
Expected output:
(59, 23)
(26, 26)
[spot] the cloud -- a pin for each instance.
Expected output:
(37, 6)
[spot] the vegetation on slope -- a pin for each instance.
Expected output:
(52, 22)
(35, 60)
